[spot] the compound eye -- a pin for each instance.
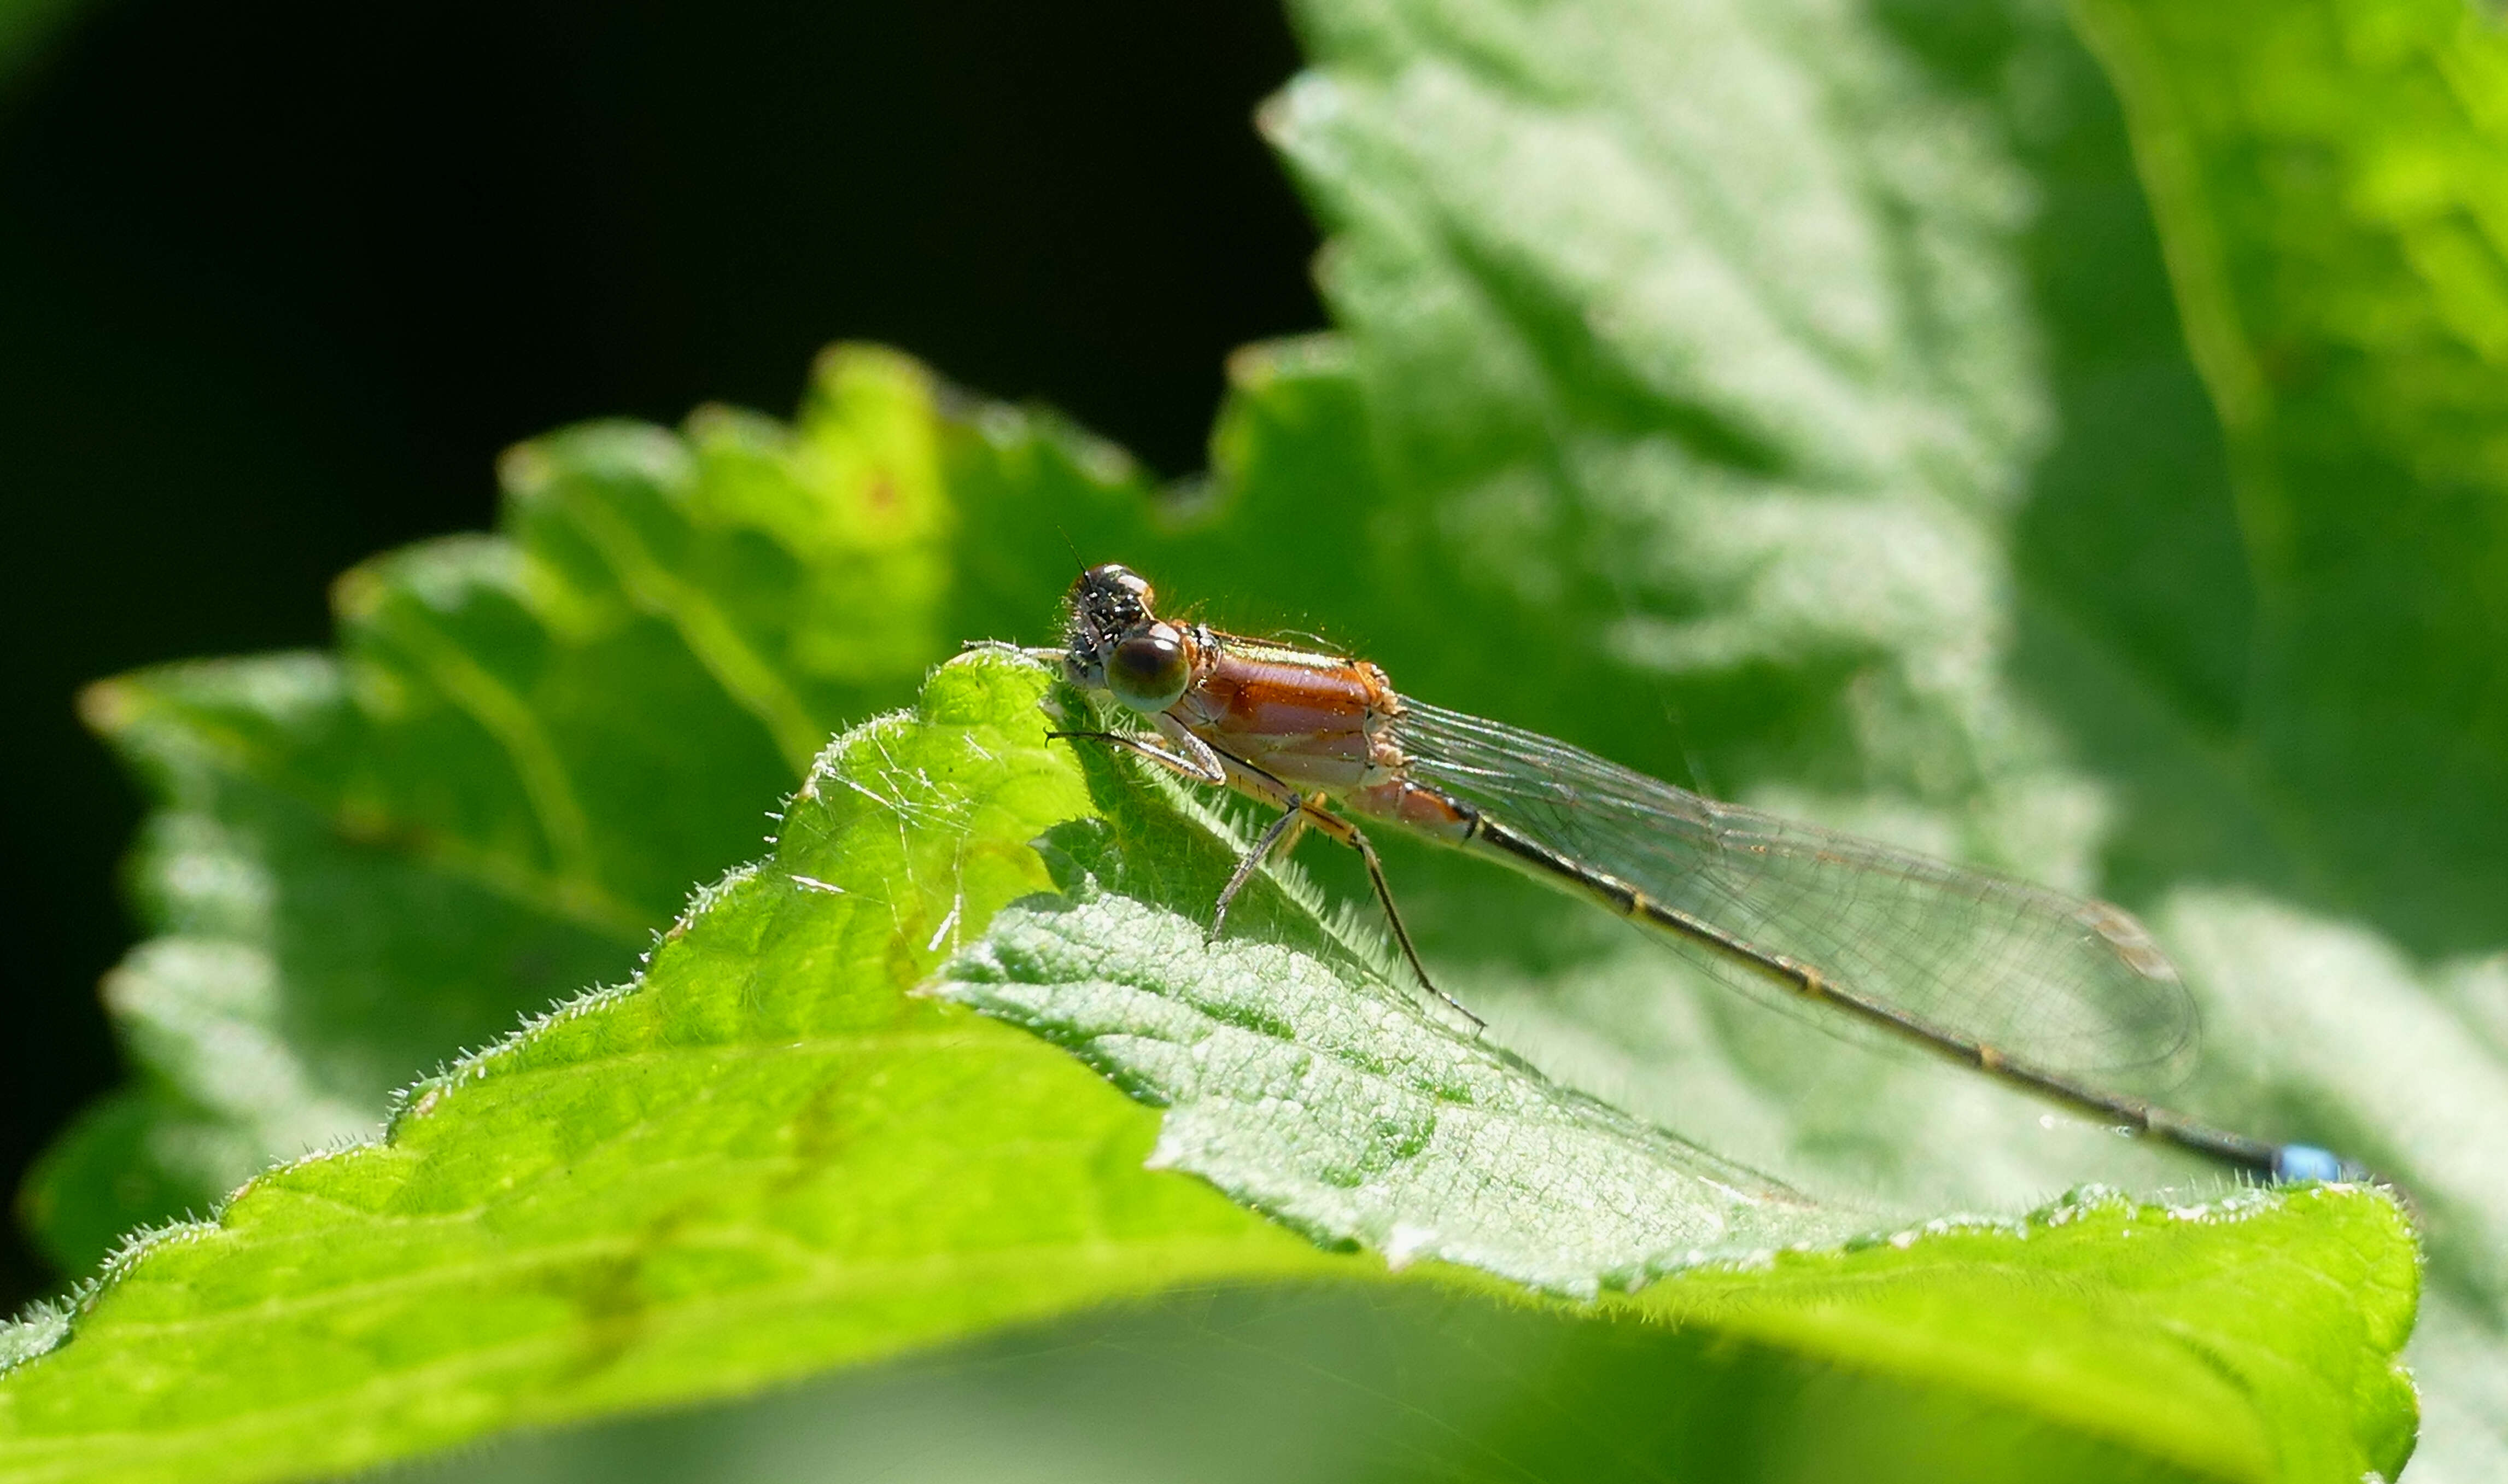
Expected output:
(1148, 671)
(1117, 577)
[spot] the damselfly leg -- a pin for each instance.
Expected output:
(1298, 814)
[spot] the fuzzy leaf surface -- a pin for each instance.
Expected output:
(771, 1154)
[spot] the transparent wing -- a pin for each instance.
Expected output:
(2075, 987)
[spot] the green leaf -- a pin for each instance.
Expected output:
(771, 1154)
(1306, 1088)
(1393, 1381)
(526, 751)
(676, 1190)
(2328, 183)
(1786, 399)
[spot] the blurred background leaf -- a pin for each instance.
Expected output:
(2332, 188)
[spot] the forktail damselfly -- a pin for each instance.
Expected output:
(2023, 984)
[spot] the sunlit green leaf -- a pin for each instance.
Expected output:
(526, 753)
(772, 1153)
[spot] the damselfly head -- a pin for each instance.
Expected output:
(1119, 645)
(1112, 595)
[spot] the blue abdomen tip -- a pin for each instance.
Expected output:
(2306, 1162)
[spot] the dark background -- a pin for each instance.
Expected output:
(279, 279)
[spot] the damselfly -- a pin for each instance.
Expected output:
(2023, 984)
